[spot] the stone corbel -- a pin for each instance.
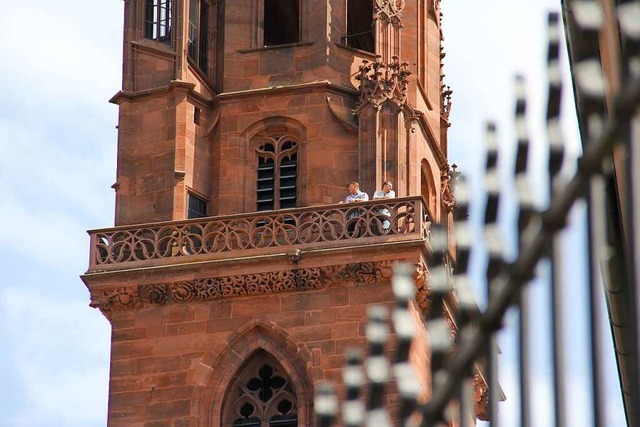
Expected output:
(344, 115)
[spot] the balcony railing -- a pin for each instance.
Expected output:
(208, 238)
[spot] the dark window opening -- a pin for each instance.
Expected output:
(281, 22)
(196, 115)
(158, 20)
(196, 207)
(198, 33)
(265, 184)
(288, 178)
(360, 25)
(277, 174)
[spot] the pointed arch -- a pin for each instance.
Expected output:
(428, 189)
(275, 148)
(254, 339)
(260, 394)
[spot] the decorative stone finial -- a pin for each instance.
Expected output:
(380, 82)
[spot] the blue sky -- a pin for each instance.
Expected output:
(57, 163)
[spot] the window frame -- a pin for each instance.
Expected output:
(198, 49)
(239, 393)
(261, 26)
(152, 28)
(279, 154)
(351, 40)
(192, 195)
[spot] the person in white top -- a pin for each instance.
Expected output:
(386, 193)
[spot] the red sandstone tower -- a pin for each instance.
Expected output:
(232, 278)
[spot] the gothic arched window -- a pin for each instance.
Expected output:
(277, 173)
(261, 396)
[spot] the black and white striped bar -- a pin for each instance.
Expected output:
(467, 307)
(438, 330)
(403, 323)
(495, 264)
(353, 411)
(377, 366)
(526, 212)
(556, 183)
(325, 405)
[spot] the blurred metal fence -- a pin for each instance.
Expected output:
(452, 361)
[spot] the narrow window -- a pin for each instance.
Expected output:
(196, 207)
(281, 22)
(277, 174)
(261, 396)
(158, 20)
(360, 25)
(198, 33)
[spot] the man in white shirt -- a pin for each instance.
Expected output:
(386, 193)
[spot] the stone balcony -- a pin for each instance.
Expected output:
(289, 231)
(257, 253)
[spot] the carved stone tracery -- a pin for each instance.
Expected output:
(389, 11)
(215, 288)
(380, 82)
(448, 180)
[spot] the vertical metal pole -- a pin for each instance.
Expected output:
(628, 13)
(556, 157)
(437, 327)
(495, 263)
(526, 212)
(589, 90)
(377, 366)
(467, 309)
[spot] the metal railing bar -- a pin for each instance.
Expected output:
(556, 157)
(495, 263)
(628, 14)
(467, 308)
(522, 269)
(525, 214)
(597, 243)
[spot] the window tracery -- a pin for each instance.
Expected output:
(262, 396)
(277, 173)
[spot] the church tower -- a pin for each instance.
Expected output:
(233, 279)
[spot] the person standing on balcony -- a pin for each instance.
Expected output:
(386, 193)
(355, 195)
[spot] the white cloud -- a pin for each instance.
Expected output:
(47, 54)
(59, 349)
(62, 175)
(47, 238)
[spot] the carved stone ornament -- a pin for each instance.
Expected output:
(214, 288)
(447, 103)
(481, 397)
(380, 83)
(389, 11)
(421, 280)
(448, 198)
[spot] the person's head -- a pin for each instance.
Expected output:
(353, 187)
(387, 186)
